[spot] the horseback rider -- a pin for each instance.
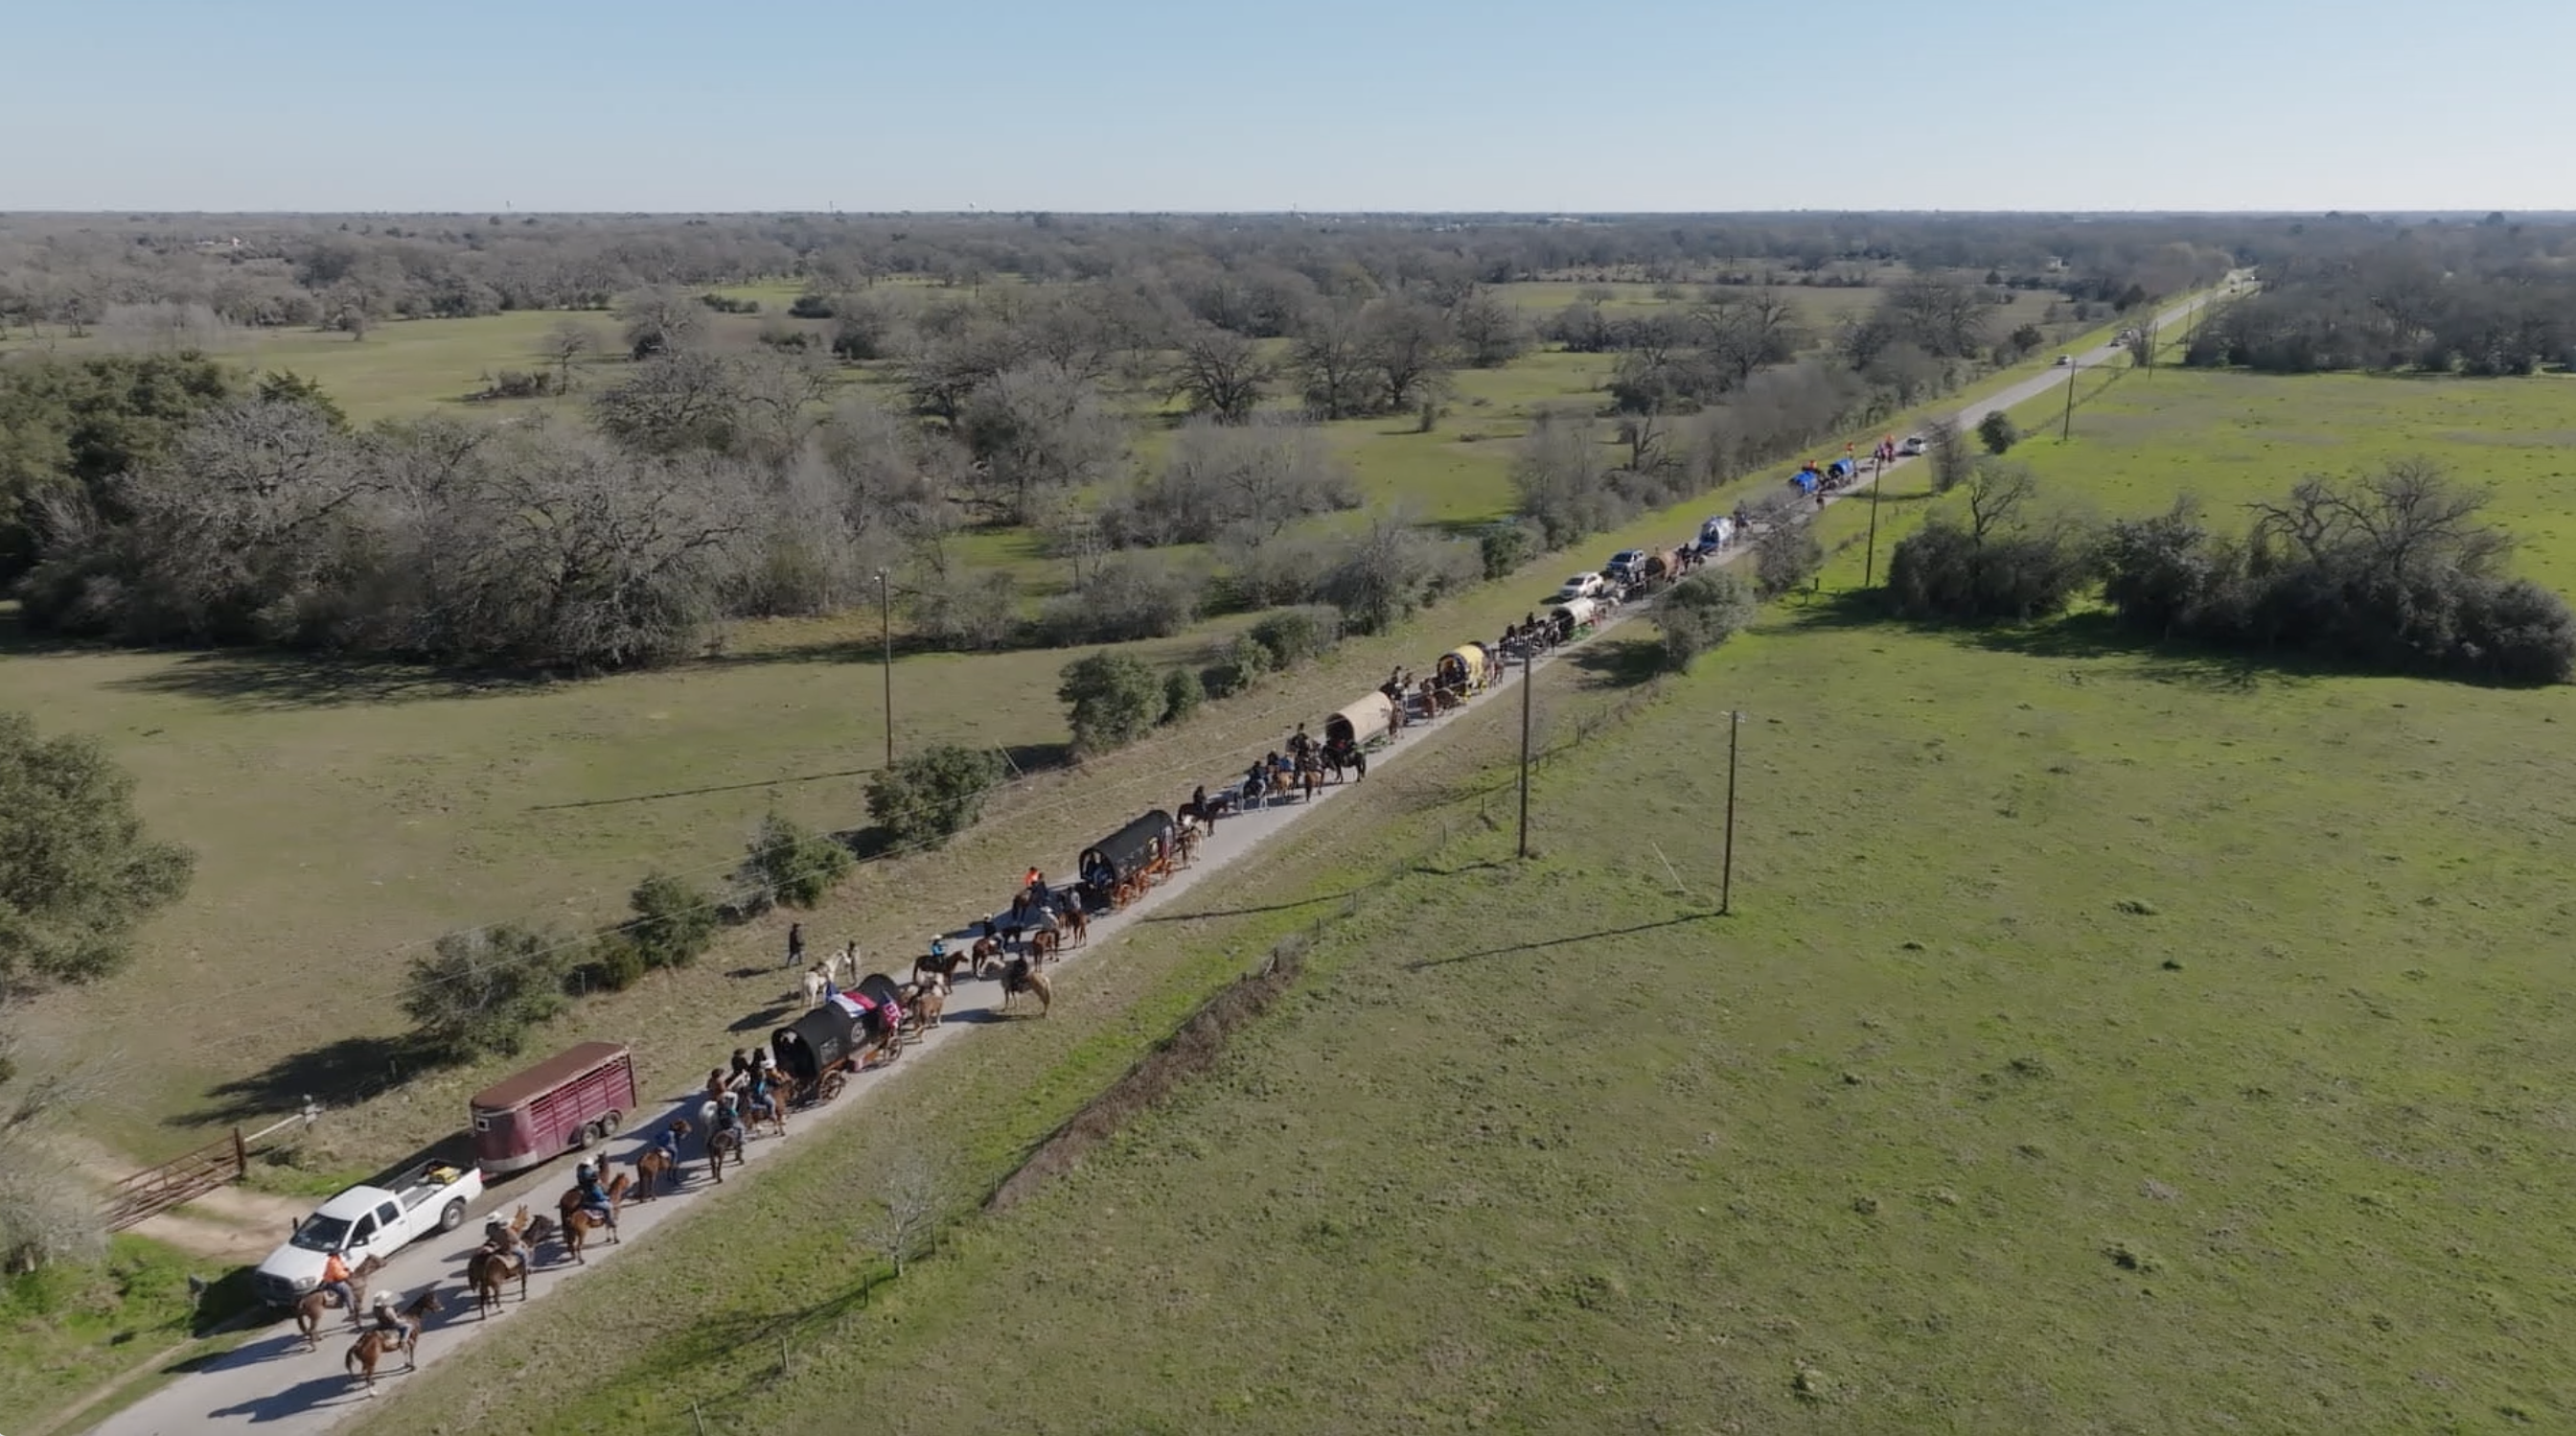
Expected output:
(726, 1123)
(389, 1320)
(1299, 745)
(335, 1277)
(667, 1142)
(758, 1094)
(594, 1197)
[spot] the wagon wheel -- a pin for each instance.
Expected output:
(830, 1087)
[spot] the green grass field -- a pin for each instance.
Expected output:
(2106, 1039)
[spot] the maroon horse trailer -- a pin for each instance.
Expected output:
(577, 1098)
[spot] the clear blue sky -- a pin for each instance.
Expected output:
(1328, 104)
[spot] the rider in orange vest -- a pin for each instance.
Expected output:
(335, 1277)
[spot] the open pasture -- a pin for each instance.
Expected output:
(2087, 1016)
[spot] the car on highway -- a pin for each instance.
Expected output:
(2065, 361)
(1913, 447)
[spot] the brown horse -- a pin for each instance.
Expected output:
(578, 1221)
(986, 949)
(310, 1306)
(923, 1003)
(1186, 850)
(1044, 944)
(1024, 977)
(941, 969)
(1077, 926)
(375, 1345)
(655, 1167)
(489, 1269)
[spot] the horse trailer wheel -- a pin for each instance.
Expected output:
(582, 1136)
(452, 1216)
(609, 1124)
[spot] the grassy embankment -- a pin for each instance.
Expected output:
(2091, 1014)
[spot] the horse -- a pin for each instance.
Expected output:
(1024, 977)
(986, 949)
(1185, 845)
(1077, 926)
(373, 1346)
(940, 968)
(654, 1167)
(923, 1004)
(1044, 944)
(1282, 783)
(310, 1306)
(721, 1143)
(488, 1270)
(815, 984)
(1309, 774)
(577, 1221)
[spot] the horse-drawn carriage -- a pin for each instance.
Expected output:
(1575, 617)
(1116, 870)
(1361, 723)
(1665, 565)
(849, 1032)
(1461, 671)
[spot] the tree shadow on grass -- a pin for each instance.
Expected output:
(337, 1073)
(256, 680)
(2092, 635)
(1618, 662)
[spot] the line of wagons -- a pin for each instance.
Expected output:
(867, 1026)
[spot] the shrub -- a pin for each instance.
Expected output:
(791, 866)
(1239, 664)
(1699, 613)
(1504, 547)
(1944, 571)
(1785, 557)
(811, 305)
(1126, 596)
(1996, 431)
(612, 965)
(727, 304)
(1111, 700)
(1183, 694)
(1952, 462)
(965, 614)
(674, 922)
(480, 991)
(1298, 635)
(929, 797)
(1283, 570)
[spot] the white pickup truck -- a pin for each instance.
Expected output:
(368, 1221)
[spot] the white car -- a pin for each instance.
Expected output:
(2065, 361)
(1582, 585)
(1913, 447)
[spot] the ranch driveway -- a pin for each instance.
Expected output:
(272, 1387)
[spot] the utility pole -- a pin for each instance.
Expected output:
(2073, 369)
(1869, 555)
(1528, 652)
(885, 631)
(1726, 880)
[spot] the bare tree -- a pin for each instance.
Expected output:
(1491, 331)
(1952, 460)
(1219, 372)
(1246, 484)
(1331, 360)
(660, 320)
(1745, 330)
(568, 340)
(911, 1197)
(2404, 520)
(683, 399)
(1035, 429)
(1409, 348)
(1996, 493)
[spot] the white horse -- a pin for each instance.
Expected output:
(815, 985)
(842, 967)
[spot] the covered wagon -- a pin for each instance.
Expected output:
(1575, 617)
(1126, 860)
(820, 1049)
(1464, 669)
(1362, 722)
